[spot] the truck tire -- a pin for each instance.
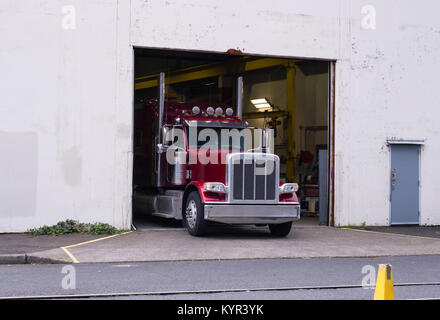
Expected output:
(280, 230)
(193, 215)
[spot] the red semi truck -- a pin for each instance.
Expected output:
(193, 163)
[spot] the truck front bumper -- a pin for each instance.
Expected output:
(252, 213)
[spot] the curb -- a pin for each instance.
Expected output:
(35, 259)
(13, 258)
(10, 259)
(27, 259)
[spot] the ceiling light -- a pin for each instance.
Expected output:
(259, 101)
(262, 103)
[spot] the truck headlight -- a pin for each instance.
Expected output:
(289, 188)
(215, 187)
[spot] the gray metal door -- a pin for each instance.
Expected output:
(405, 164)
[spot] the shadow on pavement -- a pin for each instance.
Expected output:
(216, 230)
(430, 232)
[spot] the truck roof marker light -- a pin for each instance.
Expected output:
(229, 112)
(195, 110)
(210, 111)
(219, 111)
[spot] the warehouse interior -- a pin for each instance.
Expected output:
(297, 108)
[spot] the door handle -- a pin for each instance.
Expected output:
(393, 177)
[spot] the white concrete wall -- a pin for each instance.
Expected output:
(386, 88)
(65, 112)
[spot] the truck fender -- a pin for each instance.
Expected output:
(193, 186)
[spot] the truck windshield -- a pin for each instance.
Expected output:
(216, 138)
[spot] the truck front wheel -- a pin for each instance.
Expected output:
(193, 216)
(280, 230)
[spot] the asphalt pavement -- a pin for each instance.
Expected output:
(402, 293)
(319, 278)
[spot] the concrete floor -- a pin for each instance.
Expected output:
(144, 223)
(224, 243)
(21, 243)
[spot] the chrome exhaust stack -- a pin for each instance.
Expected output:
(240, 96)
(159, 137)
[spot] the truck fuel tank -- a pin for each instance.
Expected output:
(178, 169)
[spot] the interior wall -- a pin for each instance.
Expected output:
(311, 105)
(274, 90)
(311, 109)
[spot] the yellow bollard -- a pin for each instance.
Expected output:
(384, 284)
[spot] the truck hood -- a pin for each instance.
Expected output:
(208, 165)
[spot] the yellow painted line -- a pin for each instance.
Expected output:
(391, 234)
(71, 256)
(96, 240)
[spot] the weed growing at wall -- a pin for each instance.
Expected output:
(71, 226)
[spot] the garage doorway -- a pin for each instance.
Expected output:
(297, 96)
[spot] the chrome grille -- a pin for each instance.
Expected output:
(253, 177)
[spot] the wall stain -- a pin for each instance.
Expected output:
(72, 166)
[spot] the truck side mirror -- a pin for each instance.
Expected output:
(267, 142)
(166, 136)
(161, 148)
